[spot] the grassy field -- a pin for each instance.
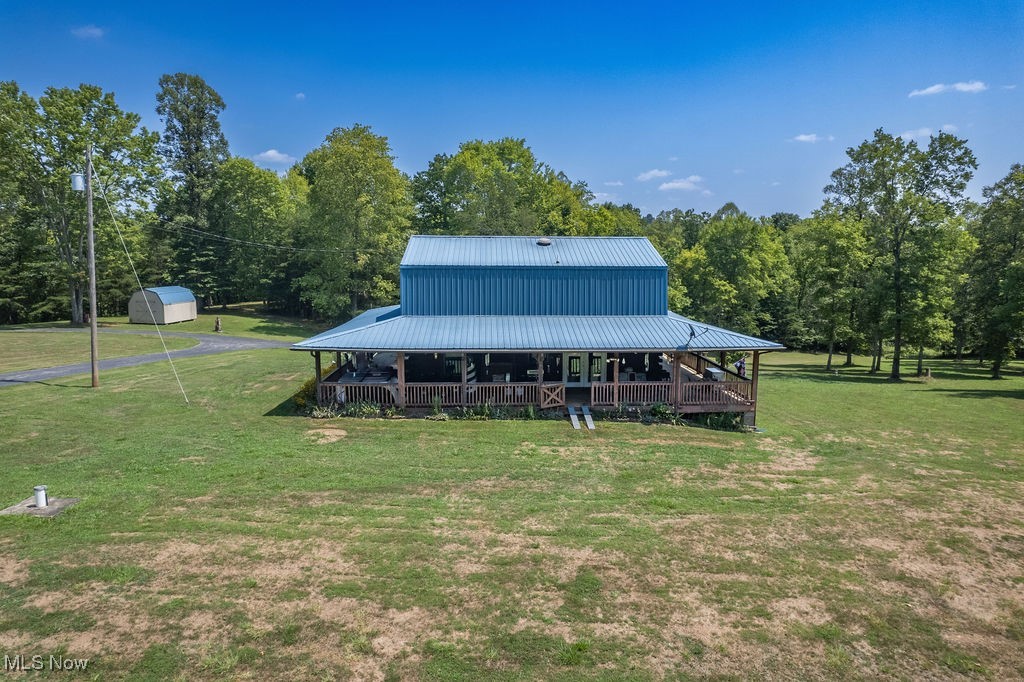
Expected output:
(242, 319)
(32, 350)
(873, 530)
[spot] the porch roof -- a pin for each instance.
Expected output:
(386, 329)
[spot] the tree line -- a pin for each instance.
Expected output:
(895, 259)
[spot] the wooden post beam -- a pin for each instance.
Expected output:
(400, 362)
(753, 383)
(465, 370)
(677, 362)
(540, 377)
(615, 380)
(316, 361)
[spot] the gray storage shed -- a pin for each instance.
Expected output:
(169, 304)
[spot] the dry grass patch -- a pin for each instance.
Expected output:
(326, 435)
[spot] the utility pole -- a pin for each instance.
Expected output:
(76, 184)
(93, 329)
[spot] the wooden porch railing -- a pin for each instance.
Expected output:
(716, 394)
(632, 393)
(448, 394)
(383, 394)
(710, 396)
(502, 394)
(602, 394)
(423, 394)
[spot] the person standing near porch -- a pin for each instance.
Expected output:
(741, 366)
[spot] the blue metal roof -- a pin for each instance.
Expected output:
(386, 329)
(168, 295)
(531, 290)
(566, 252)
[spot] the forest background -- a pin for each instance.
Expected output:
(896, 260)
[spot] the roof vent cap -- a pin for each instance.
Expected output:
(543, 241)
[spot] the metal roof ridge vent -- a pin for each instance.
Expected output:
(543, 241)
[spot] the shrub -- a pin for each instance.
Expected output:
(475, 412)
(719, 421)
(660, 412)
(361, 409)
(324, 412)
(305, 397)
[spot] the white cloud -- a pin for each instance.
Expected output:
(274, 156)
(653, 173)
(1009, 87)
(738, 171)
(300, 96)
(813, 138)
(88, 32)
(918, 132)
(775, 183)
(706, 192)
(603, 196)
(949, 128)
(673, 158)
(690, 184)
(939, 88)
(613, 183)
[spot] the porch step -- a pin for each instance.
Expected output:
(573, 418)
(587, 417)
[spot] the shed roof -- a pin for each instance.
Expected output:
(169, 295)
(386, 329)
(565, 252)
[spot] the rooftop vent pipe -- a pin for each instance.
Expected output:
(40, 491)
(543, 241)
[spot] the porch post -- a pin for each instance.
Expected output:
(401, 378)
(337, 359)
(677, 362)
(753, 386)
(540, 377)
(316, 360)
(721, 358)
(615, 380)
(465, 397)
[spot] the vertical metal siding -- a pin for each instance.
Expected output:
(437, 290)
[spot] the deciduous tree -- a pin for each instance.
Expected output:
(360, 209)
(904, 194)
(997, 271)
(193, 147)
(51, 137)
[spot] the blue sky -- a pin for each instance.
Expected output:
(662, 105)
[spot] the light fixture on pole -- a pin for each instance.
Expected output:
(79, 184)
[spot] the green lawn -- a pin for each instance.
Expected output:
(873, 530)
(33, 350)
(235, 324)
(243, 319)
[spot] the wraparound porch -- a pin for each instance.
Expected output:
(689, 382)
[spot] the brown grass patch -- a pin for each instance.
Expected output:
(327, 435)
(12, 571)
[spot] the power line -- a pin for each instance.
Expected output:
(220, 237)
(138, 281)
(265, 245)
